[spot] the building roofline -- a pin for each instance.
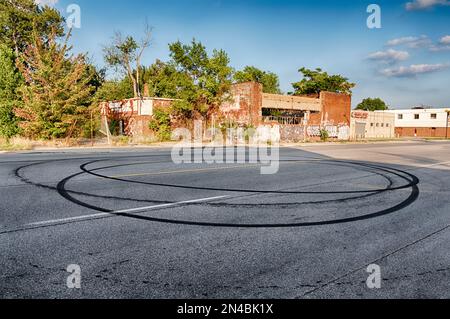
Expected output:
(443, 109)
(143, 98)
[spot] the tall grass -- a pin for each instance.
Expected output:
(16, 144)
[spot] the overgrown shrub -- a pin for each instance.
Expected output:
(324, 135)
(161, 125)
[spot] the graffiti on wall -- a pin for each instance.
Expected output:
(313, 131)
(333, 131)
(344, 133)
(291, 132)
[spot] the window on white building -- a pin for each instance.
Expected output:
(434, 116)
(417, 116)
(400, 116)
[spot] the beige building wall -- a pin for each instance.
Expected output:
(372, 125)
(288, 102)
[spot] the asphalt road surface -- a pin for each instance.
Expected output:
(140, 226)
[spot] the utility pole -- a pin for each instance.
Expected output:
(92, 130)
(448, 119)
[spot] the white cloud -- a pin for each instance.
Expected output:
(439, 48)
(390, 56)
(445, 40)
(49, 3)
(413, 70)
(443, 45)
(411, 42)
(425, 4)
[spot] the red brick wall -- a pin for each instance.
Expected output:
(138, 125)
(315, 119)
(421, 132)
(245, 107)
(336, 108)
(246, 104)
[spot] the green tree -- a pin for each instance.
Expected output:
(114, 90)
(315, 81)
(370, 104)
(269, 80)
(125, 54)
(18, 19)
(203, 81)
(56, 93)
(163, 79)
(96, 76)
(10, 80)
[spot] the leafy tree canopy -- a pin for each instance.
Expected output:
(10, 80)
(163, 79)
(315, 81)
(203, 81)
(18, 19)
(114, 90)
(370, 104)
(269, 80)
(10, 77)
(57, 90)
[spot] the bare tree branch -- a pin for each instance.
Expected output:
(124, 51)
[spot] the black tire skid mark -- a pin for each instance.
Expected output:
(287, 204)
(20, 177)
(17, 174)
(413, 183)
(91, 172)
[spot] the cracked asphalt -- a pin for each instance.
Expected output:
(140, 226)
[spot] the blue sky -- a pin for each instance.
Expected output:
(406, 62)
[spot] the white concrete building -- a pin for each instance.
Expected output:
(421, 122)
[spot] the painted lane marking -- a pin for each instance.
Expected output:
(140, 209)
(118, 212)
(70, 219)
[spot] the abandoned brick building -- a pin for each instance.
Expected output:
(298, 117)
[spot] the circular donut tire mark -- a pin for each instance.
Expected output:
(282, 204)
(412, 180)
(17, 174)
(370, 193)
(385, 169)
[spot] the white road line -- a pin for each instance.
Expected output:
(66, 220)
(132, 210)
